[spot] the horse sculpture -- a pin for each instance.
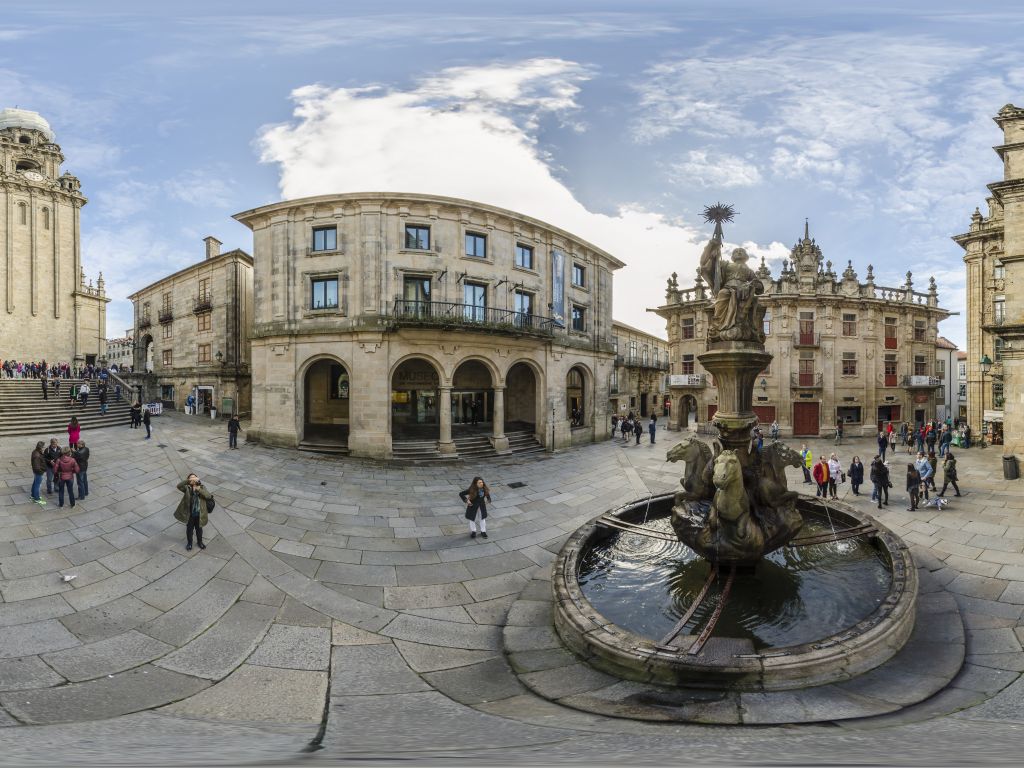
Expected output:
(696, 479)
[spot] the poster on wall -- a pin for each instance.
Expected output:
(558, 287)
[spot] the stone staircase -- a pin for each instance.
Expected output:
(468, 447)
(24, 412)
(413, 451)
(524, 442)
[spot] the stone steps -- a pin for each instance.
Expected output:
(23, 411)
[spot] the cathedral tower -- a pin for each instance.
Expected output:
(47, 309)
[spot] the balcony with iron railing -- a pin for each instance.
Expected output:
(688, 380)
(807, 380)
(165, 315)
(145, 321)
(202, 303)
(806, 339)
(636, 361)
(444, 314)
(921, 382)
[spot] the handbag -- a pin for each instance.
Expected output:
(842, 477)
(210, 504)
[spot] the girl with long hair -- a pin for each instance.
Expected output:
(476, 497)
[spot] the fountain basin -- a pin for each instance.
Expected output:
(826, 613)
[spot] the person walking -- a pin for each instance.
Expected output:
(45, 392)
(83, 393)
(879, 477)
(233, 426)
(103, 400)
(773, 430)
(933, 461)
(839, 432)
(51, 455)
(883, 444)
(81, 455)
(193, 509)
(924, 469)
(652, 427)
(835, 472)
(476, 498)
(66, 470)
(913, 486)
(38, 471)
(136, 415)
(74, 432)
(808, 458)
(821, 477)
(615, 424)
(856, 473)
(638, 429)
(56, 387)
(145, 421)
(949, 474)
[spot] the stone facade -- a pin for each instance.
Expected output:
(994, 255)
(50, 311)
(637, 383)
(193, 332)
(121, 352)
(841, 349)
(388, 318)
(946, 406)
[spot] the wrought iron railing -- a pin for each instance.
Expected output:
(165, 315)
(444, 313)
(810, 339)
(145, 321)
(635, 361)
(807, 380)
(202, 303)
(921, 382)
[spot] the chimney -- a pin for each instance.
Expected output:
(212, 246)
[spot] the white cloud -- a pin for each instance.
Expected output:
(201, 187)
(710, 169)
(124, 199)
(439, 138)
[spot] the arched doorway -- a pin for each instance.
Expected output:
(687, 412)
(326, 403)
(575, 404)
(144, 355)
(414, 401)
(521, 399)
(472, 400)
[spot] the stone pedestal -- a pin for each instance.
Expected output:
(735, 370)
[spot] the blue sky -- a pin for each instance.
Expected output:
(617, 121)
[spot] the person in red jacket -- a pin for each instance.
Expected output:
(65, 470)
(821, 476)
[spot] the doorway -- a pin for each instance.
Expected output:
(806, 421)
(887, 413)
(204, 400)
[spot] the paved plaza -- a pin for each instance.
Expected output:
(341, 612)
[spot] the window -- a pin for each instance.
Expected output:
(632, 350)
(890, 370)
(204, 353)
(890, 333)
(23, 213)
(998, 270)
(204, 288)
(613, 380)
(325, 238)
(615, 343)
(579, 318)
(417, 237)
(524, 306)
(849, 414)
(579, 275)
(524, 256)
(687, 328)
(687, 367)
(962, 370)
(475, 299)
(849, 363)
(167, 392)
(646, 356)
(920, 328)
(920, 365)
(167, 357)
(167, 330)
(997, 395)
(325, 293)
(767, 322)
(166, 302)
(849, 324)
(476, 245)
(997, 351)
(962, 392)
(46, 218)
(940, 368)
(204, 321)
(339, 383)
(999, 310)
(655, 356)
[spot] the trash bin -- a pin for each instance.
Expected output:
(213, 413)
(1010, 469)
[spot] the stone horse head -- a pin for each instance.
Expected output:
(774, 460)
(696, 479)
(732, 533)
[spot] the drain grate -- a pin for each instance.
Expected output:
(517, 484)
(161, 445)
(183, 450)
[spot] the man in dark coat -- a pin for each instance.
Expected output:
(193, 509)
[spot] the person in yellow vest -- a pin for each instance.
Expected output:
(808, 458)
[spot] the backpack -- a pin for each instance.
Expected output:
(210, 504)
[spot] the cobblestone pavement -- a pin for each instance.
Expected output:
(341, 611)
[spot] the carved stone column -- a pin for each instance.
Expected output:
(445, 444)
(498, 439)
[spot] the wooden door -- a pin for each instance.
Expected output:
(712, 409)
(805, 419)
(765, 414)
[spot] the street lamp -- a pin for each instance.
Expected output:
(986, 368)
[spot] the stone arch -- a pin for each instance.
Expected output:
(323, 385)
(144, 354)
(579, 388)
(472, 394)
(415, 382)
(524, 396)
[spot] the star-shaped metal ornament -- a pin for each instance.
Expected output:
(718, 213)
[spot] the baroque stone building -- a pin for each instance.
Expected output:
(192, 332)
(121, 352)
(50, 311)
(384, 320)
(637, 381)
(842, 349)
(994, 256)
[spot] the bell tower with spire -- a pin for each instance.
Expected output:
(47, 310)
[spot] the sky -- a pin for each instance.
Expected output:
(617, 121)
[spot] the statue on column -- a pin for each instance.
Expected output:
(737, 315)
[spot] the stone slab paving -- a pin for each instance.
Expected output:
(330, 611)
